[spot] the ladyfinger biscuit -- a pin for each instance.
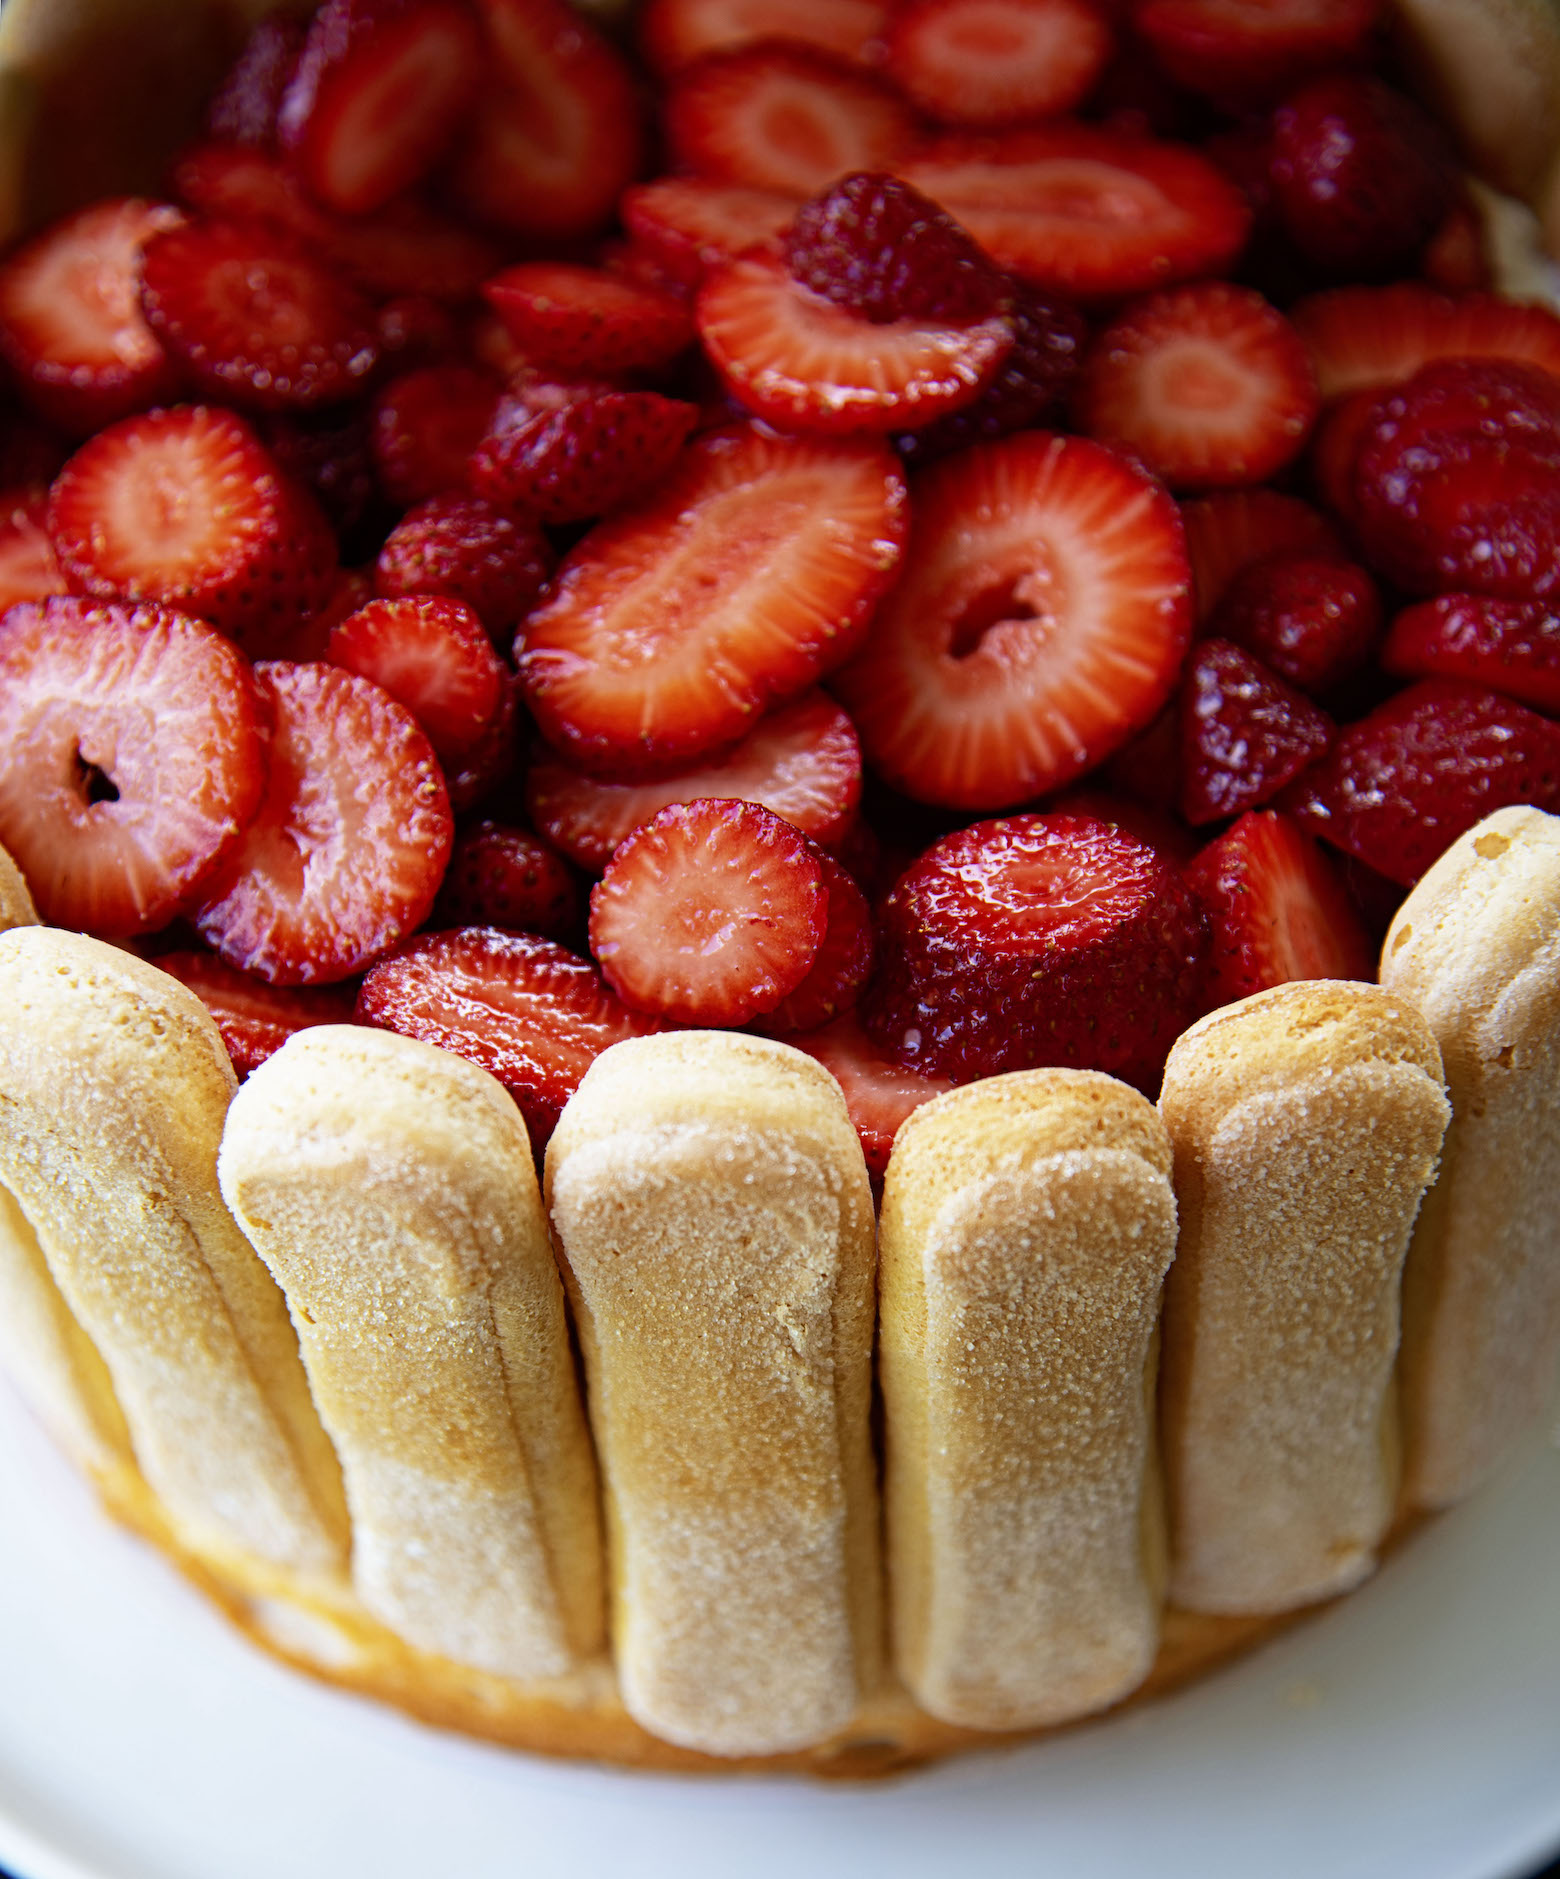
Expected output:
(1028, 1222)
(390, 1189)
(711, 1202)
(16, 908)
(1476, 947)
(113, 1089)
(1306, 1123)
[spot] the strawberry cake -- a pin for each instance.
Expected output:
(779, 836)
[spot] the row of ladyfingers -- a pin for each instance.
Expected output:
(412, 1444)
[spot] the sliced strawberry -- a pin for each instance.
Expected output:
(586, 457)
(255, 1019)
(186, 507)
(841, 964)
(1036, 940)
(670, 630)
(1512, 646)
(243, 108)
(1244, 733)
(879, 1092)
(1231, 50)
(351, 840)
(995, 62)
(1040, 621)
(1402, 784)
(1146, 821)
(1230, 530)
(784, 117)
(432, 655)
(328, 453)
(580, 319)
(464, 548)
(1335, 447)
(305, 641)
(71, 327)
(802, 761)
(1371, 337)
(1276, 911)
(425, 425)
(686, 224)
(253, 318)
(1313, 620)
(416, 330)
(559, 131)
(1077, 209)
(674, 33)
(130, 759)
(710, 913)
(803, 363)
(28, 567)
(379, 91)
(519, 1007)
(1147, 768)
(1208, 384)
(491, 764)
(508, 877)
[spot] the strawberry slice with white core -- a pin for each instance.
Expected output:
(1040, 621)
(254, 318)
(581, 319)
(1235, 51)
(880, 1093)
(674, 33)
(379, 91)
(131, 760)
(803, 762)
(802, 362)
(522, 1008)
(1078, 209)
(1367, 338)
(350, 843)
(841, 964)
(71, 326)
(559, 130)
(671, 629)
(432, 655)
(1208, 384)
(784, 117)
(255, 1019)
(710, 913)
(994, 62)
(686, 224)
(28, 567)
(186, 507)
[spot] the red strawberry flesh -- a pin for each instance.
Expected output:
(840, 965)
(993, 62)
(579, 319)
(879, 1092)
(432, 655)
(255, 1019)
(464, 548)
(1313, 620)
(507, 877)
(1244, 733)
(1511, 646)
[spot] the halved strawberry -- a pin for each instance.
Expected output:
(432, 655)
(254, 318)
(784, 117)
(559, 131)
(379, 91)
(1361, 338)
(186, 507)
(840, 965)
(1244, 733)
(879, 1092)
(1312, 619)
(1208, 384)
(463, 547)
(802, 363)
(1276, 910)
(71, 327)
(674, 33)
(671, 629)
(993, 62)
(507, 877)
(425, 425)
(802, 761)
(131, 759)
(28, 567)
(1078, 209)
(1512, 646)
(709, 913)
(243, 108)
(255, 1019)
(1036, 940)
(350, 842)
(686, 224)
(586, 456)
(580, 319)
(1040, 621)
(1231, 529)
(1232, 50)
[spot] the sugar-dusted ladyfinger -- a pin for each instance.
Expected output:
(1306, 1123)
(390, 1188)
(1028, 1222)
(710, 1199)
(1476, 946)
(114, 1085)
(16, 908)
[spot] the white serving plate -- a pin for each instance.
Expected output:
(1413, 1732)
